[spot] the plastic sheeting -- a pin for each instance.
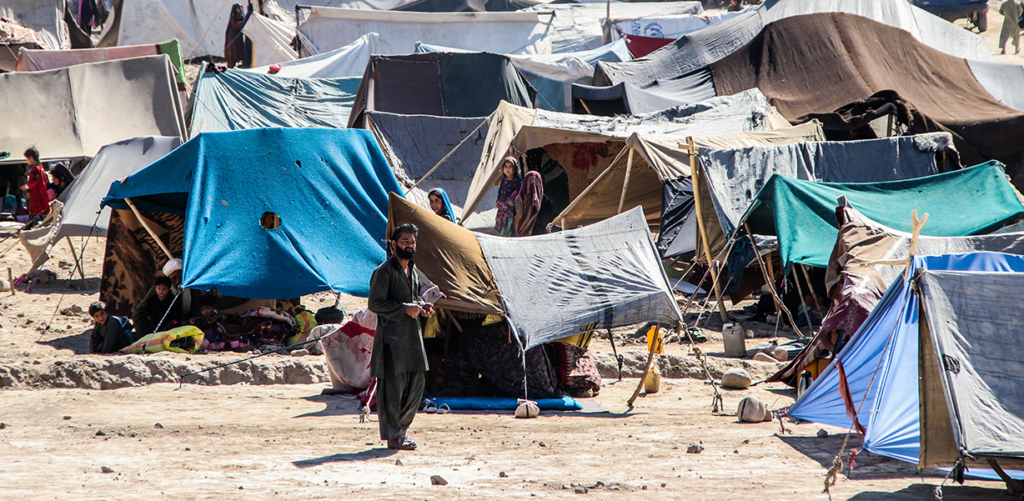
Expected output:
(329, 189)
(46, 17)
(745, 112)
(701, 48)
(554, 75)
(886, 348)
(236, 99)
(114, 161)
(495, 32)
(37, 60)
(1003, 81)
(625, 99)
(607, 275)
(969, 317)
(578, 26)
(347, 61)
(414, 144)
(198, 26)
(736, 176)
(440, 84)
(73, 114)
(271, 39)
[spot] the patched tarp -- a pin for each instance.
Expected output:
(735, 176)
(554, 75)
(625, 99)
(881, 364)
(578, 26)
(414, 144)
(328, 189)
(450, 257)
(745, 112)
(198, 26)
(701, 48)
(74, 113)
(856, 277)
(236, 99)
(440, 84)
(38, 60)
(977, 407)
(328, 28)
(820, 62)
(599, 277)
(970, 201)
(114, 161)
(347, 61)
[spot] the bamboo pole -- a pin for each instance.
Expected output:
(625, 182)
(817, 300)
(149, 230)
(694, 174)
(647, 368)
(439, 162)
(10, 280)
(800, 290)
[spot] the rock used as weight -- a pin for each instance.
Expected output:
(737, 379)
(751, 410)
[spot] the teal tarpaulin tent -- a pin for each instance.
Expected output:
(971, 201)
(272, 213)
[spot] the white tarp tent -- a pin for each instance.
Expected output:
(271, 39)
(347, 61)
(198, 25)
(114, 161)
(46, 17)
(580, 26)
(495, 32)
(77, 110)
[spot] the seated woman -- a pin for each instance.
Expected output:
(440, 205)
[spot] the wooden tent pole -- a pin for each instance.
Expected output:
(769, 277)
(78, 261)
(149, 230)
(800, 290)
(625, 182)
(817, 300)
(439, 162)
(647, 368)
(694, 174)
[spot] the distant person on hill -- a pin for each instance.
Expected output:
(110, 333)
(1011, 30)
(440, 205)
(508, 190)
(38, 198)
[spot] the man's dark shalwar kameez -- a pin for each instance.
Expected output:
(398, 360)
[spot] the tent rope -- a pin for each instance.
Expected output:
(71, 276)
(957, 464)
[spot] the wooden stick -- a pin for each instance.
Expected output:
(647, 368)
(888, 130)
(585, 105)
(149, 230)
(800, 290)
(817, 301)
(769, 277)
(694, 174)
(916, 224)
(10, 280)
(441, 161)
(78, 261)
(625, 182)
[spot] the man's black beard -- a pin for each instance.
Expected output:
(405, 253)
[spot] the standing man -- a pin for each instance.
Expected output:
(398, 360)
(1011, 31)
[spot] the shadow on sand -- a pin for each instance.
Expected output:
(375, 453)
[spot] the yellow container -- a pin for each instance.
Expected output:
(656, 333)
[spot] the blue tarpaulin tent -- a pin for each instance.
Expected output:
(329, 189)
(885, 348)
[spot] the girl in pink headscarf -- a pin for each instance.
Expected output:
(508, 191)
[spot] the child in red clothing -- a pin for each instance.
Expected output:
(38, 198)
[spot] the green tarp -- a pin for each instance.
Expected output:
(971, 201)
(173, 51)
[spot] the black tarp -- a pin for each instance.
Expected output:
(439, 84)
(676, 209)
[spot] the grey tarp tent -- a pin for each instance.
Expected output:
(237, 99)
(77, 110)
(608, 275)
(114, 161)
(745, 112)
(414, 144)
(625, 99)
(972, 399)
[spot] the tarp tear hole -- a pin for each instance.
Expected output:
(270, 221)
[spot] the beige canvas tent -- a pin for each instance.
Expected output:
(77, 110)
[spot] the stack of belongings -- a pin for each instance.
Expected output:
(491, 318)
(15, 38)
